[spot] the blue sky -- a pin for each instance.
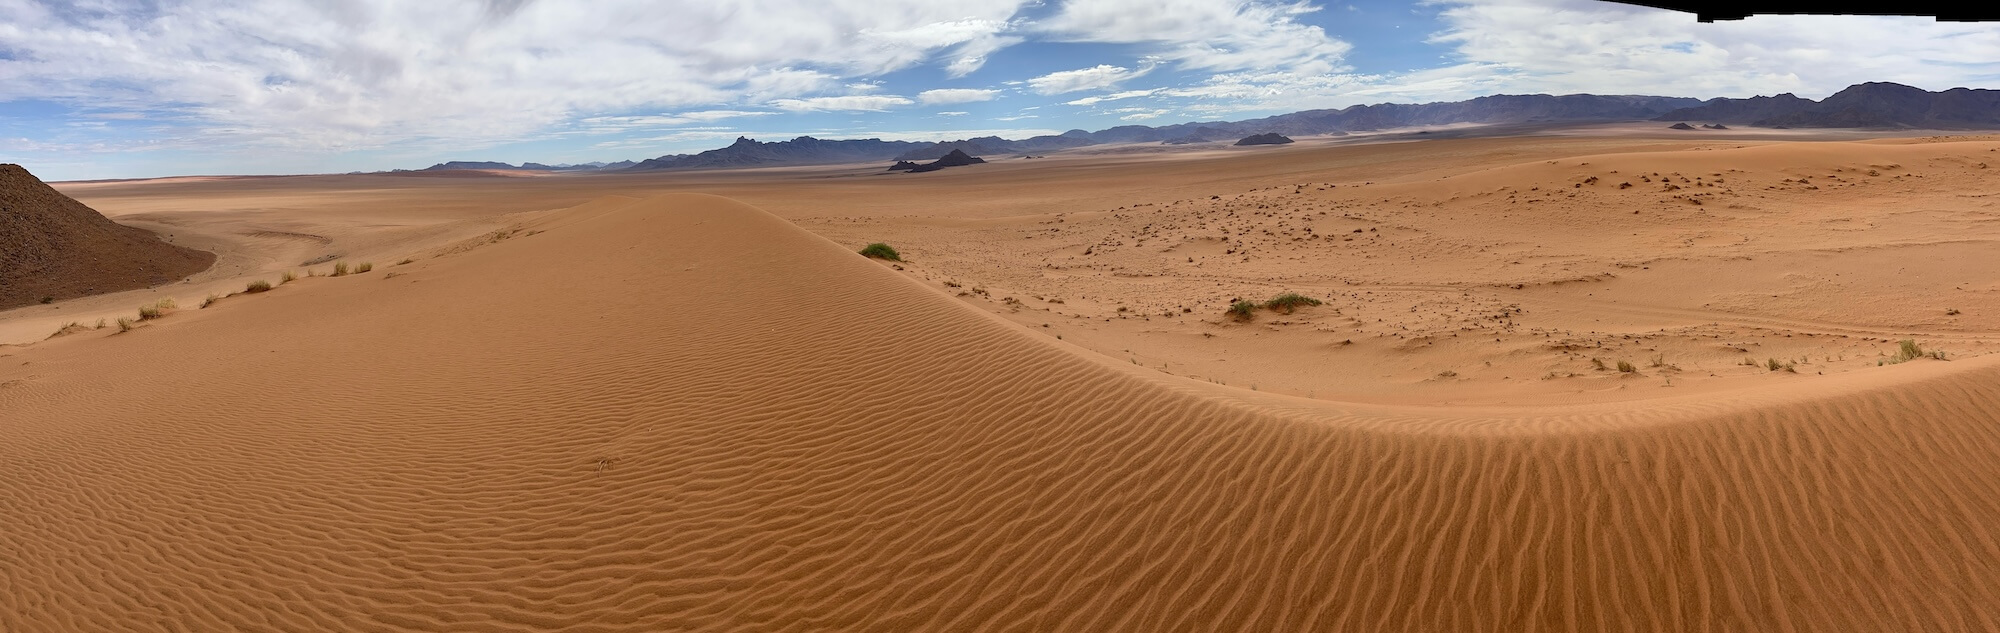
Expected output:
(103, 89)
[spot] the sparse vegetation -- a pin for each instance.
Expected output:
(405, 261)
(339, 269)
(124, 324)
(257, 286)
(156, 310)
(879, 250)
(288, 277)
(1290, 301)
(210, 300)
(1447, 374)
(1626, 367)
(1243, 310)
(363, 267)
(1598, 364)
(1908, 350)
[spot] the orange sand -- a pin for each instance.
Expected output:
(682, 412)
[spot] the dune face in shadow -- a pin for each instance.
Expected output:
(574, 429)
(53, 247)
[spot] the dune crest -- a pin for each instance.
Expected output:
(683, 413)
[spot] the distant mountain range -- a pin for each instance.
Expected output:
(1867, 105)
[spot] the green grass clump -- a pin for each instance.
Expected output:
(257, 286)
(339, 269)
(363, 267)
(1243, 310)
(879, 250)
(1290, 301)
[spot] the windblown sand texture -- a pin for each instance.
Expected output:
(52, 246)
(682, 412)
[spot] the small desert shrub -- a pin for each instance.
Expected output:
(288, 277)
(1626, 367)
(1598, 364)
(148, 312)
(1290, 301)
(363, 267)
(1243, 310)
(339, 269)
(879, 250)
(166, 304)
(100, 324)
(1773, 364)
(257, 286)
(1447, 374)
(124, 324)
(1908, 350)
(210, 300)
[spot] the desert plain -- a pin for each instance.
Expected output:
(1594, 378)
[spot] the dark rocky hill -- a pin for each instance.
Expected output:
(53, 247)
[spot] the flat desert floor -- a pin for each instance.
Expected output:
(1603, 379)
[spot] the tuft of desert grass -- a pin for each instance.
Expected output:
(257, 286)
(288, 277)
(880, 250)
(1290, 301)
(339, 269)
(405, 261)
(124, 324)
(1243, 310)
(363, 267)
(1626, 367)
(210, 300)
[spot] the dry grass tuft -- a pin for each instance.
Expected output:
(339, 269)
(288, 277)
(257, 286)
(363, 267)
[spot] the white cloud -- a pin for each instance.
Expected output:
(1566, 46)
(617, 124)
(953, 113)
(1089, 101)
(1215, 35)
(1094, 78)
(852, 103)
(322, 76)
(948, 96)
(1140, 114)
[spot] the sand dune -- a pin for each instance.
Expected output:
(684, 413)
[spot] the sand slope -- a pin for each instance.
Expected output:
(682, 413)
